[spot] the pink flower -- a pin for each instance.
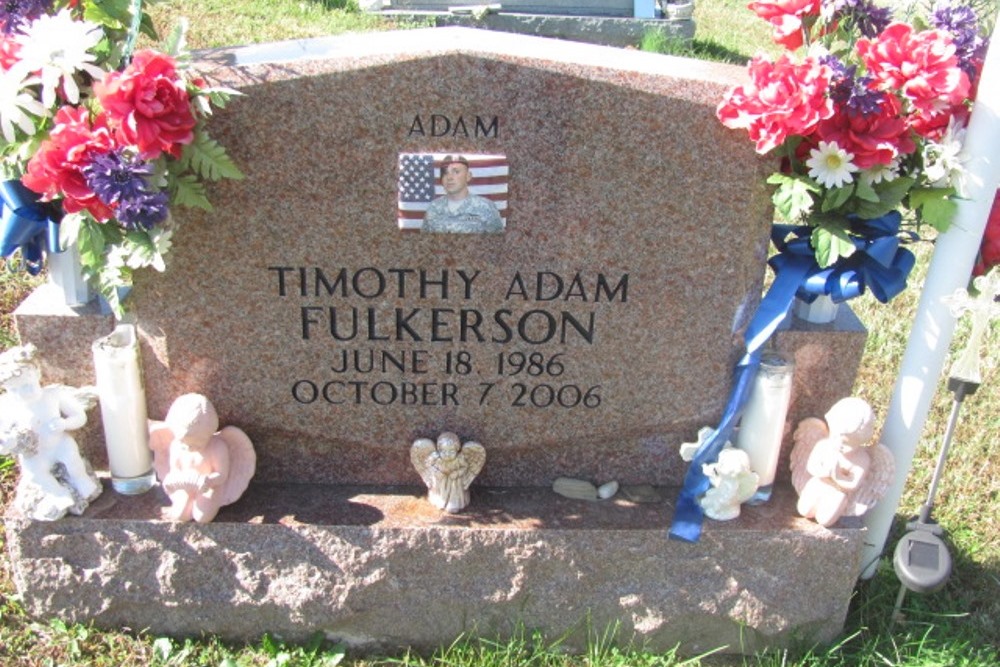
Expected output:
(786, 17)
(8, 52)
(874, 139)
(57, 168)
(782, 99)
(148, 105)
(921, 66)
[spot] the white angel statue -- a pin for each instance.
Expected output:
(35, 422)
(836, 468)
(733, 483)
(200, 468)
(448, 468)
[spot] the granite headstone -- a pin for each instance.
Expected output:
(589, 337)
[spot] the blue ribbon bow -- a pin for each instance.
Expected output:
(878, 264)
(27, 224)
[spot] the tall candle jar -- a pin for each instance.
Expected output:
(762, 426)
(123, 410)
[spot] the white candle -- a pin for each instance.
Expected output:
(123, 410)
(951, 265)
(762, 426)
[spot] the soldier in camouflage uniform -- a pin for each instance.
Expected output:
(460, 211)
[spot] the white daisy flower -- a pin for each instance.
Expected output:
(943, 163)
(831, 165)
(881, 173)
(16, 103)
(57, 47)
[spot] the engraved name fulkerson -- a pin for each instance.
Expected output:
(467, 322)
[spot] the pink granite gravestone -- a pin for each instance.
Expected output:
(589, 335)
(588, 338)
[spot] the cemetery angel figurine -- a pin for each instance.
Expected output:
(836, 468)
(35, 422)
(732, 481)
(447, 468)
(200, 468)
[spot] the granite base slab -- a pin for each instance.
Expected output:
(380, 569)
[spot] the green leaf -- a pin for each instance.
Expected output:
(176, 42)
(866, 192)
(890, 196)
(114, 14)
(935, 206)
(90, 240)
(188, 191)
(208, 158)
(793, 199)
(831, 242)
(837, 197)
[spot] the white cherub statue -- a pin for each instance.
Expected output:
(733, 482)
(34, 425)
(836, 468)
(448, 468)
(200, 467)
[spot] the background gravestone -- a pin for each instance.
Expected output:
(590, 338)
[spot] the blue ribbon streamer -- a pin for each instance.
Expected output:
(27, 224)
(878, 264)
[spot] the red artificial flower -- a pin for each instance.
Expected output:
(782, 99)
(8, 52)
(148, 105)
(874, 139)
(933, 125)
(789, 18)
(989, 252)
(921, 66)
(57, 168)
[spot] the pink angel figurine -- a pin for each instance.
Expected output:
(200, 468)
(836, 468)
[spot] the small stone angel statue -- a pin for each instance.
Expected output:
(836, 468)
(35, 422)
(200, 467)
(447, 468)
(733, 483)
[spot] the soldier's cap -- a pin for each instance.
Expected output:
(452, 159)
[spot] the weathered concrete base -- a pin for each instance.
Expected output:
(382, 569)
(605, 30)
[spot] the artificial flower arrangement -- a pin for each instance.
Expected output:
(99, 140)
(867, 120)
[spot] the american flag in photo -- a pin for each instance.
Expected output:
(420, 183)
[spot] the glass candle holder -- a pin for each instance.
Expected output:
(762, 426)
(123, 410)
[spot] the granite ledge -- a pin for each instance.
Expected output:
(492, 508)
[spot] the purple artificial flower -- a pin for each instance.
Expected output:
(146, 210)
(15, 13)
(850, 91)
(963, 25)
(120, 181)
(869, 19)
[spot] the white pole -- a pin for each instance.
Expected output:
(950, 268)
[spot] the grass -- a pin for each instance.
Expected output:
(955, 626)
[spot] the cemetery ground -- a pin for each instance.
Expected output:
(955, 626)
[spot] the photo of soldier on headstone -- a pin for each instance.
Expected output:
(458, 194)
